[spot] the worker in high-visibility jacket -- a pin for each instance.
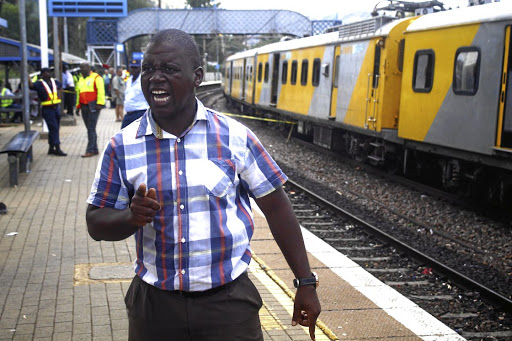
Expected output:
(90, 100)
(8, 103)
(47, 88)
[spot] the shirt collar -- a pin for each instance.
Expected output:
(148, 126)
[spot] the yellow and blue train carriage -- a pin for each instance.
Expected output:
(427, 93)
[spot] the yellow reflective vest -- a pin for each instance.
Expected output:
(90, 88)
(5, 101)
(53, 97)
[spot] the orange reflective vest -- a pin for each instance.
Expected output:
(53, 98)
(90, 88)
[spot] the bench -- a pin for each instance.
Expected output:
(19, 154)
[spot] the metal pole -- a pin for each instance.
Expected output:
(66, 35)
(43, 33)
(24, 64)
(56, 48)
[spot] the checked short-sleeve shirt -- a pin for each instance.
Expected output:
(203, 179)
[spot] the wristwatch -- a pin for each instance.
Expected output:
(313, 280)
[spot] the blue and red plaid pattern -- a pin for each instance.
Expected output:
(203, 179)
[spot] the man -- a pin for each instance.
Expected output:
(193, 226)
(118, 90)
(90, 100)
(68, 84)
(47, 88)
(107, 77)
(135, 103)
(8, 103)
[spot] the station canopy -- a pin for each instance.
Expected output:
(10, 53)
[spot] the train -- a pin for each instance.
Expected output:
(427, 95)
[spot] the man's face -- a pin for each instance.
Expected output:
(85, 70)
(168, 79)
(135, 71)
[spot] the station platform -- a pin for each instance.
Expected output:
(59, 284)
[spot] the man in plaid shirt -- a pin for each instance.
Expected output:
(179, 179)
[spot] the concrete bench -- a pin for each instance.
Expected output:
(19, 154)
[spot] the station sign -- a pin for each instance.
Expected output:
(88, 8)
(138, 55)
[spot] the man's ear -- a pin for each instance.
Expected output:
(199, 75)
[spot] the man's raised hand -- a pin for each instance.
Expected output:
(144, 206)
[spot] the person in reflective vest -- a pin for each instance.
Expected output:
(90, 100)
(8, 103)
(47, 88)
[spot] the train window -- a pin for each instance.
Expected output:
(466, 71)
(293, 79)
(266, 72)
(304, 72)
(316, 72)
(423, 75)
(284, 73)
(259, 72)
(250, 73)
(336, 71)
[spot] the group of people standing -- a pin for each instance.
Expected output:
(87, 93)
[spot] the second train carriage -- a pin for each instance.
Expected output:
(426, 92)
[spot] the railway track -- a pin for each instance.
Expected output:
(459, 301)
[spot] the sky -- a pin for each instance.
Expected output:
(345, 10)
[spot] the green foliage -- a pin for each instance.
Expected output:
(202, 3)
(136, 4)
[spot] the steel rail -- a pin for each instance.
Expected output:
(489, 295)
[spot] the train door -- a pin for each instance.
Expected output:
(230, 80)
(243, 79)
(275, 80)
(335, 80)
(504, 136)
(372, 91)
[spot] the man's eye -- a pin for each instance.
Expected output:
(146, 68)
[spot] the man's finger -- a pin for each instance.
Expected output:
(141, 191)
(295, 317)
(152, 194)
(312, 329)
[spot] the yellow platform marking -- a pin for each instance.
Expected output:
(285, 297)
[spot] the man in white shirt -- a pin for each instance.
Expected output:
(135, 103)
(68, 85)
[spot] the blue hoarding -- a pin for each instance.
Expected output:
(87, 8)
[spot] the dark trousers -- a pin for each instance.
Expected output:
(131, 116)
(69, 100)
(90, 119)
(230, 313)
(51, 116)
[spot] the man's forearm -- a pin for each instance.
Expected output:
(109, 223)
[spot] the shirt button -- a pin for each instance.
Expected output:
(182, 240)
(182, 272)
(180, 172)
(182, 206)
(178, 140)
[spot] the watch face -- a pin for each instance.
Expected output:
(296, 282)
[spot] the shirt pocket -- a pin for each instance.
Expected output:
(220, 176)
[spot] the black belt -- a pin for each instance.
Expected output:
(195, 294)
(53, 106)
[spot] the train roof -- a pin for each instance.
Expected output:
(497, 11)
(354, 31)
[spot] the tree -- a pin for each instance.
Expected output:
(202, 3)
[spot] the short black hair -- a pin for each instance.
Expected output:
(180, 38)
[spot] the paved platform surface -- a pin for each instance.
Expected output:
(59, 284)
